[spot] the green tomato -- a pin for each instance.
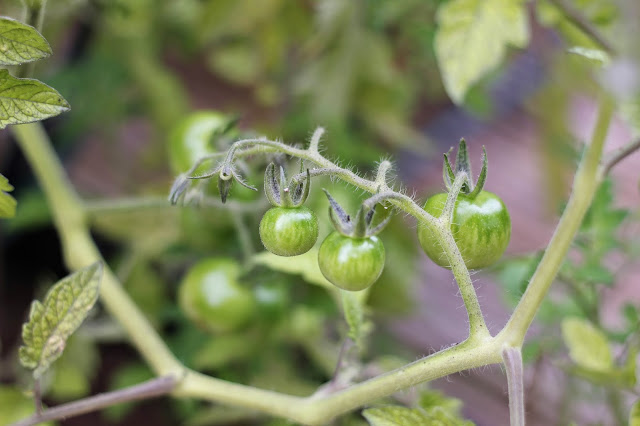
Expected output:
(191, 139)
(289, 231)
(272, 299)
(351, 263)
(211, 296)
(481, 228)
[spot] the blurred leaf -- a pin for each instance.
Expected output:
(283, 377)
(52, 322)
(147, 289)
(7, 202)
(237, 62)
(24, 100)
(14, 406)
(623, 377)
(393, 415)
(593, 273)
(597, 56)
(224, 349)
(147, 230)
(69, 383)
(32, 211)
(75, 369)
(432, 398)
(599, 12)
(630, 111)
(634, 414)
(588, 346)
(20, 43)
(128, 375)
(472, 39)
(305, 265)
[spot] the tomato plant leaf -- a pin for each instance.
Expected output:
(7, 202)
(472, 38)
(305, 264)
(52, 322)
(20, 43)
(588, 346)
(25, 100)
(394, 415)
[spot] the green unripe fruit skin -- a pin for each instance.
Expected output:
(190, 139)
(352, 264)
(211, 296)
(481, 228)
(289, 231)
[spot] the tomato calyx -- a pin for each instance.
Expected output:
(359, 227)
(463, 165)
(281, 193)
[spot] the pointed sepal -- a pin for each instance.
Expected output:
(463, 165)
(272, 185)
(482, 177)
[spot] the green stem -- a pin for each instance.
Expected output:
(586, 181)
(79, 250)
(34, 16)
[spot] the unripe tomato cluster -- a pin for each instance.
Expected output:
(352, 257)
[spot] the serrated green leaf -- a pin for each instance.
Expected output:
(20, 43)
(394, 415)
(305, 265)
(472, 38)
(7, 202)
(634, 414)
(597, 56)
(588, 346)
(52, 322)
(25, 100)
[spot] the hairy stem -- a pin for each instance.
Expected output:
(586, 182)
(512, 358)
(149, 389)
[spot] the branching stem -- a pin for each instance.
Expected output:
(69, 215)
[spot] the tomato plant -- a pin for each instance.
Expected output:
(211, 295)
(294, 337)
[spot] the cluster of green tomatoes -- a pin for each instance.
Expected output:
(352, 257)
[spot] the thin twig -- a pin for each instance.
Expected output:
(149, 389)
(618, 155)
(583, 23)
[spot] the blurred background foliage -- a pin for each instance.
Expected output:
(135, 71)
